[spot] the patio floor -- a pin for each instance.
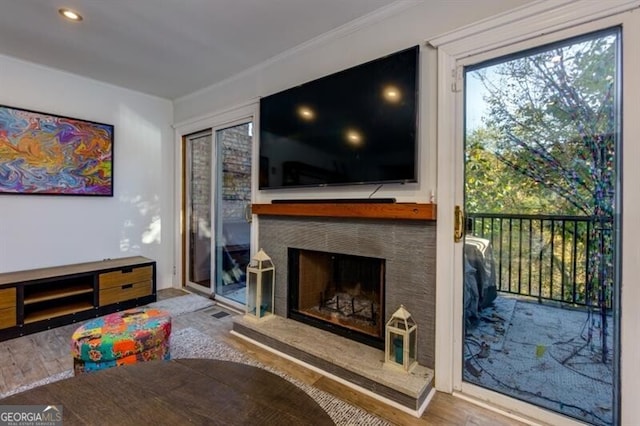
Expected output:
(546, 355)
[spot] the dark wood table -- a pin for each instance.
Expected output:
(178, 392)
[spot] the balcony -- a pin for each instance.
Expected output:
(547, 338)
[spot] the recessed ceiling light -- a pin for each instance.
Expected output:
(71, 15)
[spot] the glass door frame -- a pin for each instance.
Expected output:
(188, 212)
(469, 47)
(234, 116)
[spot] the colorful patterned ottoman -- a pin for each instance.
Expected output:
(127, 337)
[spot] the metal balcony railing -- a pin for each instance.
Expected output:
(550, 258)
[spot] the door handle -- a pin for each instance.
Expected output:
(247, 213)
(458, 224)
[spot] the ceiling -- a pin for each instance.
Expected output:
(171, 48)
(167, 48)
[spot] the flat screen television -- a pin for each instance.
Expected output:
(357, 126)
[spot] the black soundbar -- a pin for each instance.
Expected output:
(335, 201)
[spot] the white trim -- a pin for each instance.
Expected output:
(493, 408)
(177, 210)
(211, 119)
(328, 37)
(549, 20)
(444, 231)
(415, 413)
(630, 291)
(538, 18)
(514, 408)
(499, 21)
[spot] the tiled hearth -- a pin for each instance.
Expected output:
(408, 248)
(351, 363)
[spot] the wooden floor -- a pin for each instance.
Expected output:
(30, 358)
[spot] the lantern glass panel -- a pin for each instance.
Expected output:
(267, 292)
(412, 346)
(396, 347)
(252, 291)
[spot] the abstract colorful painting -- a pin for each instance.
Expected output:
(49, 154)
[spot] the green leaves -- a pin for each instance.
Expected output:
(548, 140)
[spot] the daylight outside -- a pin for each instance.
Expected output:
(542, 206)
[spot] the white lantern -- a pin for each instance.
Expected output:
(401, 344)
(260, 284)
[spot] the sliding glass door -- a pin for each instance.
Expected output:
(232, 210)
(541, 196)
(217, 203)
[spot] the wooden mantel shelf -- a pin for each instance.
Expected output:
(410, 211)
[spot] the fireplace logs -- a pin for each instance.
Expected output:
(349, 306)
(335, 289)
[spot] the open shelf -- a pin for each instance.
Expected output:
(57, 293)
(407, 211)
(57, 311)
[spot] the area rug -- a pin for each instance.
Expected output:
(191, 343)
(182, 304)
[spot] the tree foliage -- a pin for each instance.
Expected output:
(494, 186)
(549, 129)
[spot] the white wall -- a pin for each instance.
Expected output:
(408, 25)
(40, 231)
(407, 28)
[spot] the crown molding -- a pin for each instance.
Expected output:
(526, 22)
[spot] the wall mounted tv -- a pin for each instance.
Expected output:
(357, 126)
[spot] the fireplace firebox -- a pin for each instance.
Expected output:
(340, 293)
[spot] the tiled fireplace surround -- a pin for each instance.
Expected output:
(409, 249)
(407, 246)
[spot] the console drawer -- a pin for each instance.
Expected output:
(8, 317)
(8, 298)
(125, 292)
(123, 277)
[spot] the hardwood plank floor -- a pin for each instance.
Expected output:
(34, 357)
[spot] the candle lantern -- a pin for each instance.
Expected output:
(401, 343)
(260, 285)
